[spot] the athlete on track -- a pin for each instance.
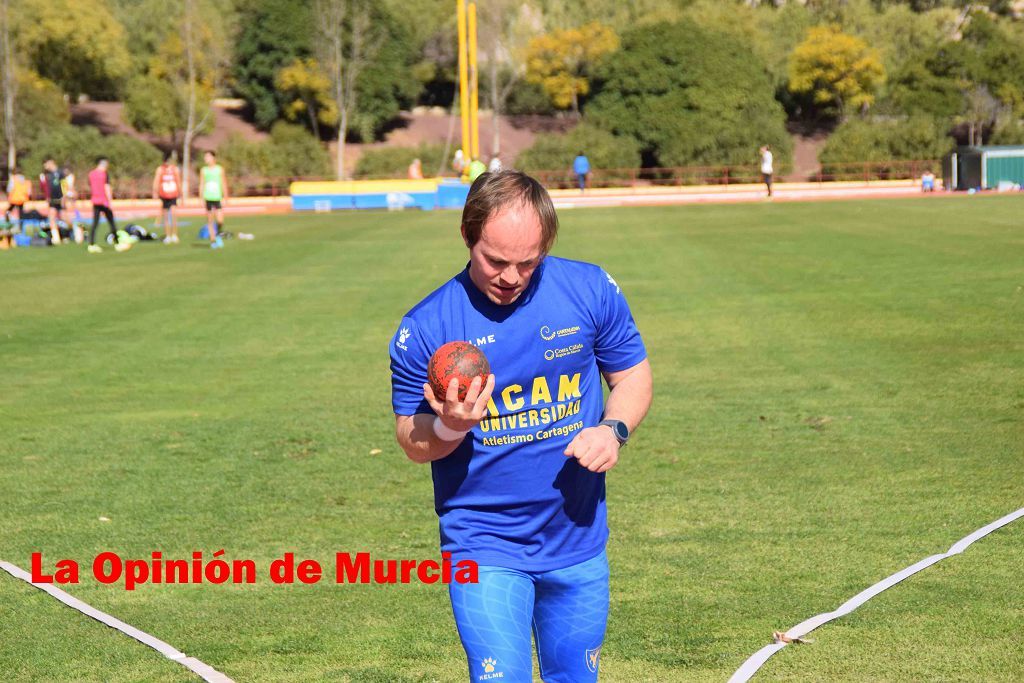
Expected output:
(166, 188)
(519, 466)
(52, 179)
(102, 197)
(214, 184)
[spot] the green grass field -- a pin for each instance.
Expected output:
(839, 392)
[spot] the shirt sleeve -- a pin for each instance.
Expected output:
(618, 346)
(410, 355)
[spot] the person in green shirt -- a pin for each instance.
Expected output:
(476, 169)
(213, 184)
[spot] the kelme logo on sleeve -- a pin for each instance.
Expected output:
(613, 283)
(403, 335)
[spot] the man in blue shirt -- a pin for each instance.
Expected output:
(519, 464)
(581, 167)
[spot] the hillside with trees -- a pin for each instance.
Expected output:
(646, 83)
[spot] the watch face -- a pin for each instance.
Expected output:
(621, 432)
(619, 428)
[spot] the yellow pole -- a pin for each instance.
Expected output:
(474, 101)
(463, 85)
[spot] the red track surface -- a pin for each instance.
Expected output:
(603, 197)
(783, 192)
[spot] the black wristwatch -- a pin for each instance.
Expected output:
(619, 429)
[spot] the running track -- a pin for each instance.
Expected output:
(606, 197)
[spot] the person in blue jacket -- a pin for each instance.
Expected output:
(581, 167)
(519, 464)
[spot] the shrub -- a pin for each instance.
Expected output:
(131, 159)
(289, 152)
(556, 151)
(244, 158)
(864, 140)
(854, 141)
(393, 162)
(294, 152)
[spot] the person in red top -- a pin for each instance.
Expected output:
(167, 188)
(99, 186)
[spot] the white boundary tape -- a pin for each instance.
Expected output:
(756, 660)
(205, 671)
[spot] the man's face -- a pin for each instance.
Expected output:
(208, 158)
(49, 166)
(509, 250)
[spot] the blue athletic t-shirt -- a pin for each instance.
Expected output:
(507, 496)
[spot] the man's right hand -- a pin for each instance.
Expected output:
(461, 416)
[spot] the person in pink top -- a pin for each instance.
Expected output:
(99, 187)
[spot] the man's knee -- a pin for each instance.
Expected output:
(493, 618)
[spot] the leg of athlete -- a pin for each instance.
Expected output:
(493, 617)
(570, 615)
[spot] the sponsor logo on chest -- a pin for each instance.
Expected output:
(547, 333)
(553, 332)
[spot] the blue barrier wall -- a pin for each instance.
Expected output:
(427, 194)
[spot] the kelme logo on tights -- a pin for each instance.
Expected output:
(489, 672)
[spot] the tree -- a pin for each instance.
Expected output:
(309, 89)
(561, 61)
(79, 46)
(837, 70)
(769, 32)
(505, 28)
(689, 96)
(274, 34)
(931, 79)
(8, 82)
(900, 34)
(980, 110)
(1008, 131)
(997, 59)
(387, 83)
(193, 122)
(38, 107)
(916, 88)
(174, 97)
(619, 15)
(345, 45)
(146, 21)
(155, 105)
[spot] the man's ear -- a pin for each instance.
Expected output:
(465, 239)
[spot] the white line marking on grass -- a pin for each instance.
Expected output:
(205, 671)
(756, 660)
